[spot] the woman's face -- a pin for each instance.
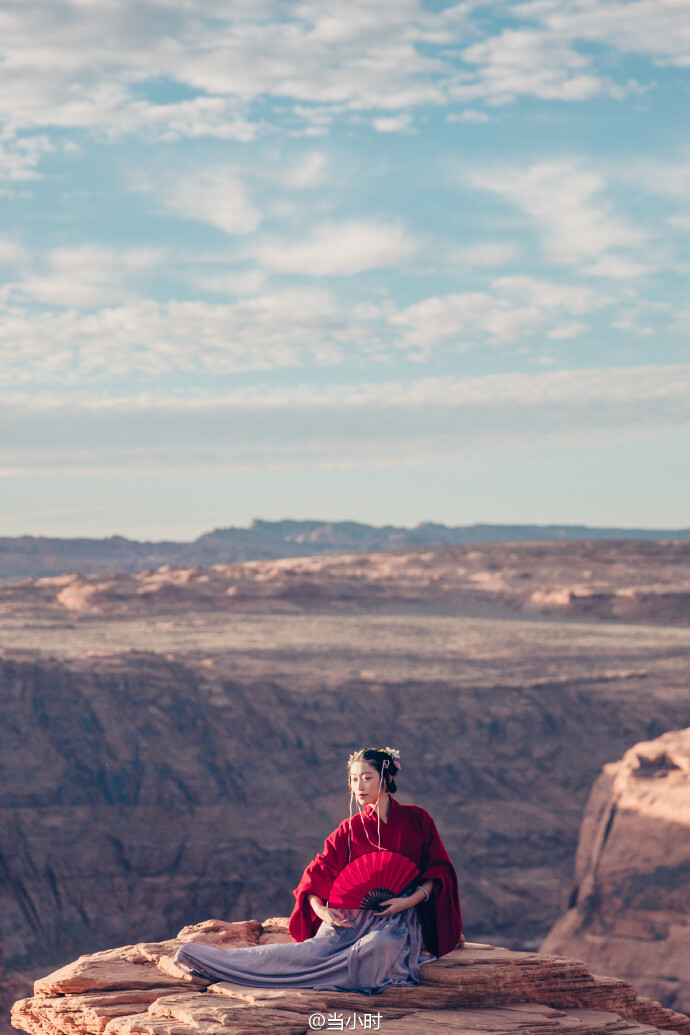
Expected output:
(364, 782)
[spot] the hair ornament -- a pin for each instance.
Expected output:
(395, 755)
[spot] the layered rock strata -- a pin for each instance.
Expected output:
(630, 582)
(630, 908)
(131, 797)
(138, 990)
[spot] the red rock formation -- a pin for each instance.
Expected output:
(630, 912)
(126, 801)
(138, 990)
(628, 581)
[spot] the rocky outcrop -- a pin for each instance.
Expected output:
(628, 581)
(138, 990)
(630, 908)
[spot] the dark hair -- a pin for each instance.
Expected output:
(376, 757)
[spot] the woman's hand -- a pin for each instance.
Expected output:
(392, 906)
(332, 917)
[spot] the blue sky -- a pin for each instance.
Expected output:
(389, 262)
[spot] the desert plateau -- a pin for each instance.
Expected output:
(175, 745)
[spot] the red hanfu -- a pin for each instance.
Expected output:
(409, 830)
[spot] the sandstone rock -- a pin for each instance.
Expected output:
(85, 1014)
(221, 932)
(628, 581)
(476, 988)
(146, 965)
(630, 909)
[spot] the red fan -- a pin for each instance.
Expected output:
(371, 879)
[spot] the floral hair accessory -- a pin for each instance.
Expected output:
(395, 755)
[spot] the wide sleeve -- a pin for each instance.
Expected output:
(318, 879)
(440, 917)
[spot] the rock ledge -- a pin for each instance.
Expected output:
(138, 990)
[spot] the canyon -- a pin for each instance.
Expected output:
(175, 739)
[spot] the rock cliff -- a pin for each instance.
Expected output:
(138, 990)
(131, 796)
(630, 908)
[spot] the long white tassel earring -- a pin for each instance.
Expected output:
(378, 810)
(378, 814)
(349, 827)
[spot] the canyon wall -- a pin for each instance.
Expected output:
(630, 907)
(175, 741)
(141, 792)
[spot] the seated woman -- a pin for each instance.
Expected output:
(356, 949)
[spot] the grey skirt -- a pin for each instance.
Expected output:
(369, 956)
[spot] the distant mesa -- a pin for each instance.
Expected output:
(25, 556)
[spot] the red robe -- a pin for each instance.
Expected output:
(409, 830)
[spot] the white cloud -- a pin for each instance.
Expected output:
(571, 298)
(86, 65)
(394, 123)
(431, 421)
(465, 319)
(669, 179)
(681, 221)
(529, 63)
(660, 28)
(88, 276)
(257, 332)
(217, 117)
(470, 115)
(12, 254)
(345, 248)
(213, 196)
(308, 172)
(617, 267)
(515, 306)
(20, 158)
(76, 64)
(639, 318)
(563, 331)
(251, 328)
(563, 200)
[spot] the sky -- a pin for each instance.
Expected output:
(389, 262)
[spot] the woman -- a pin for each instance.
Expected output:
(356, 950)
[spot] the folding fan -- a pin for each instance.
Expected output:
(371, 879)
